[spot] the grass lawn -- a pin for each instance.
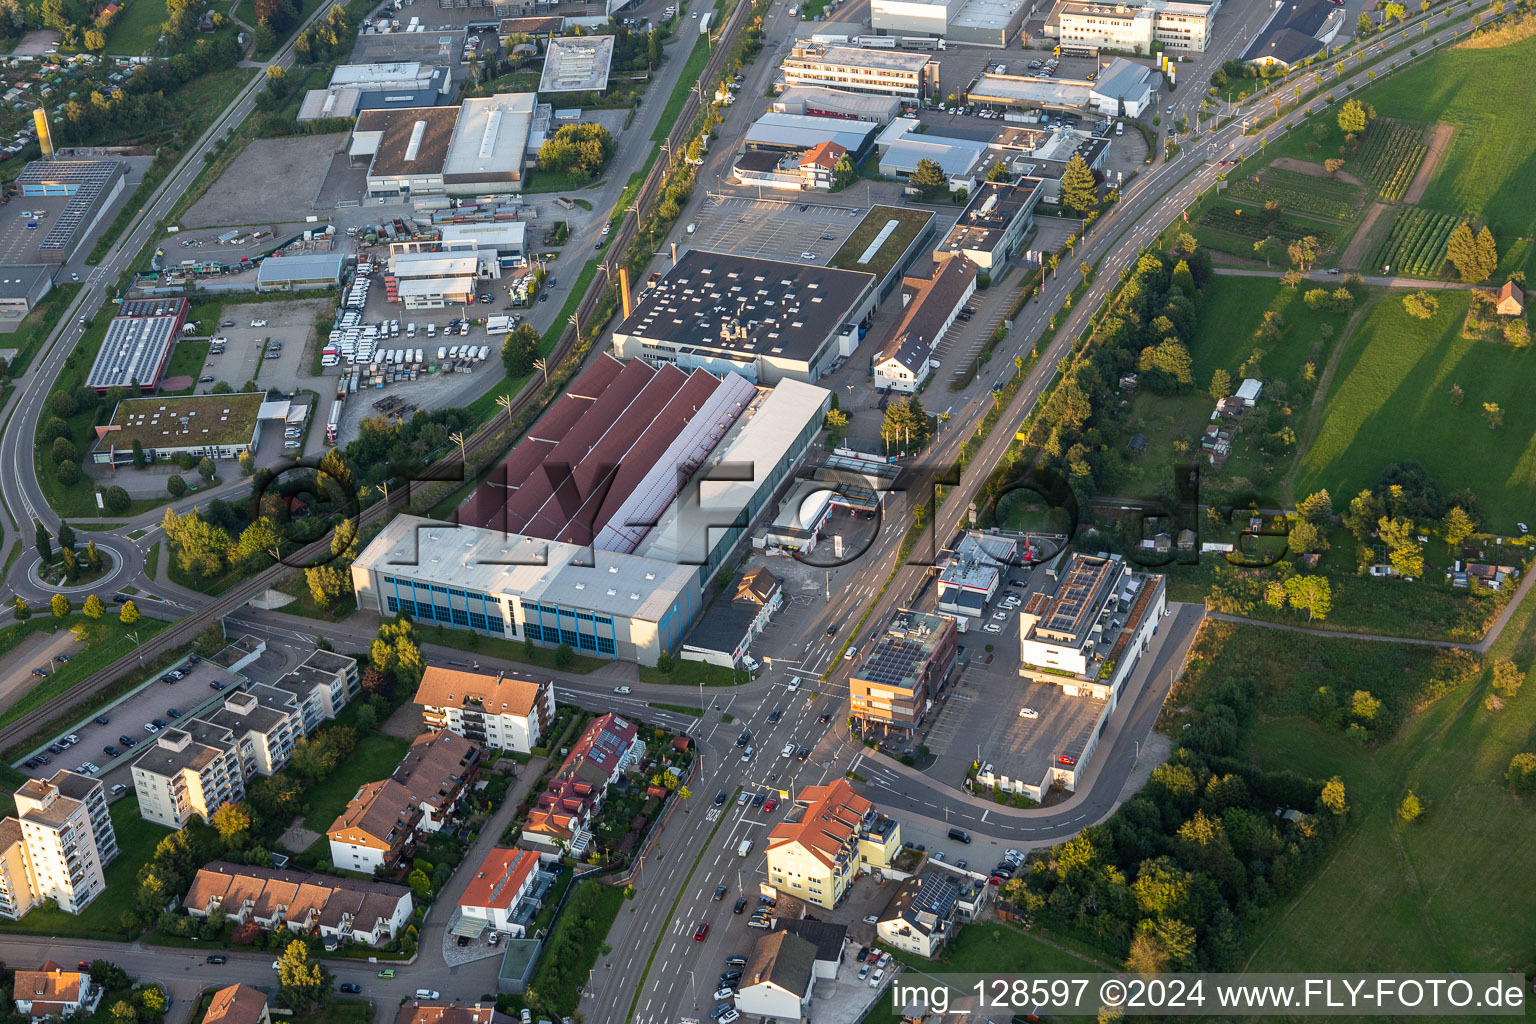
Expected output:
(375, 758)
(136, 27)
(909, 224)
(1397, 371)
(1396, 896)
(101, 641)
(102, 919)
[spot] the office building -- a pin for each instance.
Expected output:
(898, 680)
(506, 711)
(902, 73)
(57, 846)
(829, 836)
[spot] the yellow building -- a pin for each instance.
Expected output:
(828, 838)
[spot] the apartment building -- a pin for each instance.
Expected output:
(327, 906)
(507, 711)
(50, 992)
(204, 761)
(608, 748)
(898, 680)
(830, 835)
(382, 821)
(323, 684)
(57, 846)
(856, 69)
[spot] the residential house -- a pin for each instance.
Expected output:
(829, 836)
(608, 748)
(52, 992)
(332, 907)
(58, 845)
(505, 877)
(238, 1004)
(920, 916)
(778, 978)
(382, 821)
(505, 711)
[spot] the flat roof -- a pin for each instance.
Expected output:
(746, 306)
(314, 266)
(134, 349)
(490, 139)
(496, 562)
(415, 142)
(576, 64)
(804, 131)
(1043, 92)
(190, 421)
(992, 208)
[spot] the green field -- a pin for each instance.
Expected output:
(1390, 401)
(1447, 892)
(136, 28)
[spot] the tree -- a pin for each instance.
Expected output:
(176, 485)
(1507, 678)
(1269, 249)
(301, 984)
(1421, 305)
(93, 608)
(232, 822)
(520, 350)
(1410, 808)
(1520, 776)
(1457, 526)
(1475, 257)
(60, 605)
(128, 614)
(1493, 414)
(1079, 190)
(1221, 384)
(928, 178)
(1333, 796)
(116, 499)
(44, 541)
(1354, 116)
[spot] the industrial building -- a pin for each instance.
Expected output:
(218, 426)
(1296, 30)
(856, 69)
(1133, 26)
(612, 558)
(768, 320)
(994, 224)
(819, 102)
(797, 133)
(138, 345)
(932, 304)
(978, 22)
(898, 680)
(576, 64)
(300, 272)
(490, 145)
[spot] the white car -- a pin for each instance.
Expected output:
(1028, 713)
(788, 751)
(621, 689)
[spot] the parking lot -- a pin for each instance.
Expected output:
(127, 718)
(773, 228)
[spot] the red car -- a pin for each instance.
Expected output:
(771, 803)
(701, 932)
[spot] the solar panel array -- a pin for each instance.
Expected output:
(134, 350)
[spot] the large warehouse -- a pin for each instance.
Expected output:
(767, 320)
(605, 522)
(138, 345)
